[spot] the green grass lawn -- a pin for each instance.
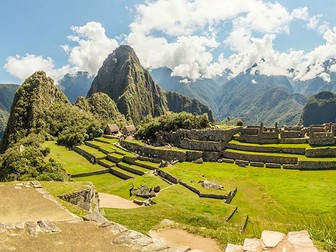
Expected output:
(72, 162)
(108, 140)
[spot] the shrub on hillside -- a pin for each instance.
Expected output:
(171, 122)
(26, 161)
(70, 125)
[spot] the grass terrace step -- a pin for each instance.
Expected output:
(147, 164)
(115, 157)
(106, 163)
(132, 168)
(103, 147)
(107, 140)
(96, 153)
(121, 173)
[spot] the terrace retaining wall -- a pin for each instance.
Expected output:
(85, 154)
(317, 165)
(201, 145)
(260, 158)
(322, 152)
(300, 151)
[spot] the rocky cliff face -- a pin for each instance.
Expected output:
(132, 88)
(320, 108)
(35, 94)
(179, 103)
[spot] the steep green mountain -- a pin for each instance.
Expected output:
(131, 86)
(33, 96)
(103, 108)
(320, 108)
(76, 85)
(178, 103)
(7, 92)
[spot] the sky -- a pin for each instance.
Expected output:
(195, 38)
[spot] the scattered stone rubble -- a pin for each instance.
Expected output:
(271, 241)
(133, 239)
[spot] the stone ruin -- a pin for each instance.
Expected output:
(210, 185)
(144, 191)
(323, 134)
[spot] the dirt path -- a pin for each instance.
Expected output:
(177, 237)
(21, 203)
(113, 201)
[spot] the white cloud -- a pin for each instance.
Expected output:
(92, 49)
(23, 66)
(300, 13)
(313, 22)
(333, 68)
(176, 37)
(323, 28)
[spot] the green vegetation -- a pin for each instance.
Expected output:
(171, 122)
(103, 108)
(26, 160)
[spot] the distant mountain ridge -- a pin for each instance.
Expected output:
(134, 91)
(7, 92)
(75, 85)
(250, 96)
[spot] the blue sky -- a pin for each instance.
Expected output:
(195, 38)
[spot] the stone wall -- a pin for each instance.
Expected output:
(212, 156)
(291, 134)
(201, 145)
(257, 139)
(293, 140)
(163, 154)
(321, 152)
(317, 165)
(87, 199)
(168, 177)
(260, 158)
(219, 135)
(300, 151)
